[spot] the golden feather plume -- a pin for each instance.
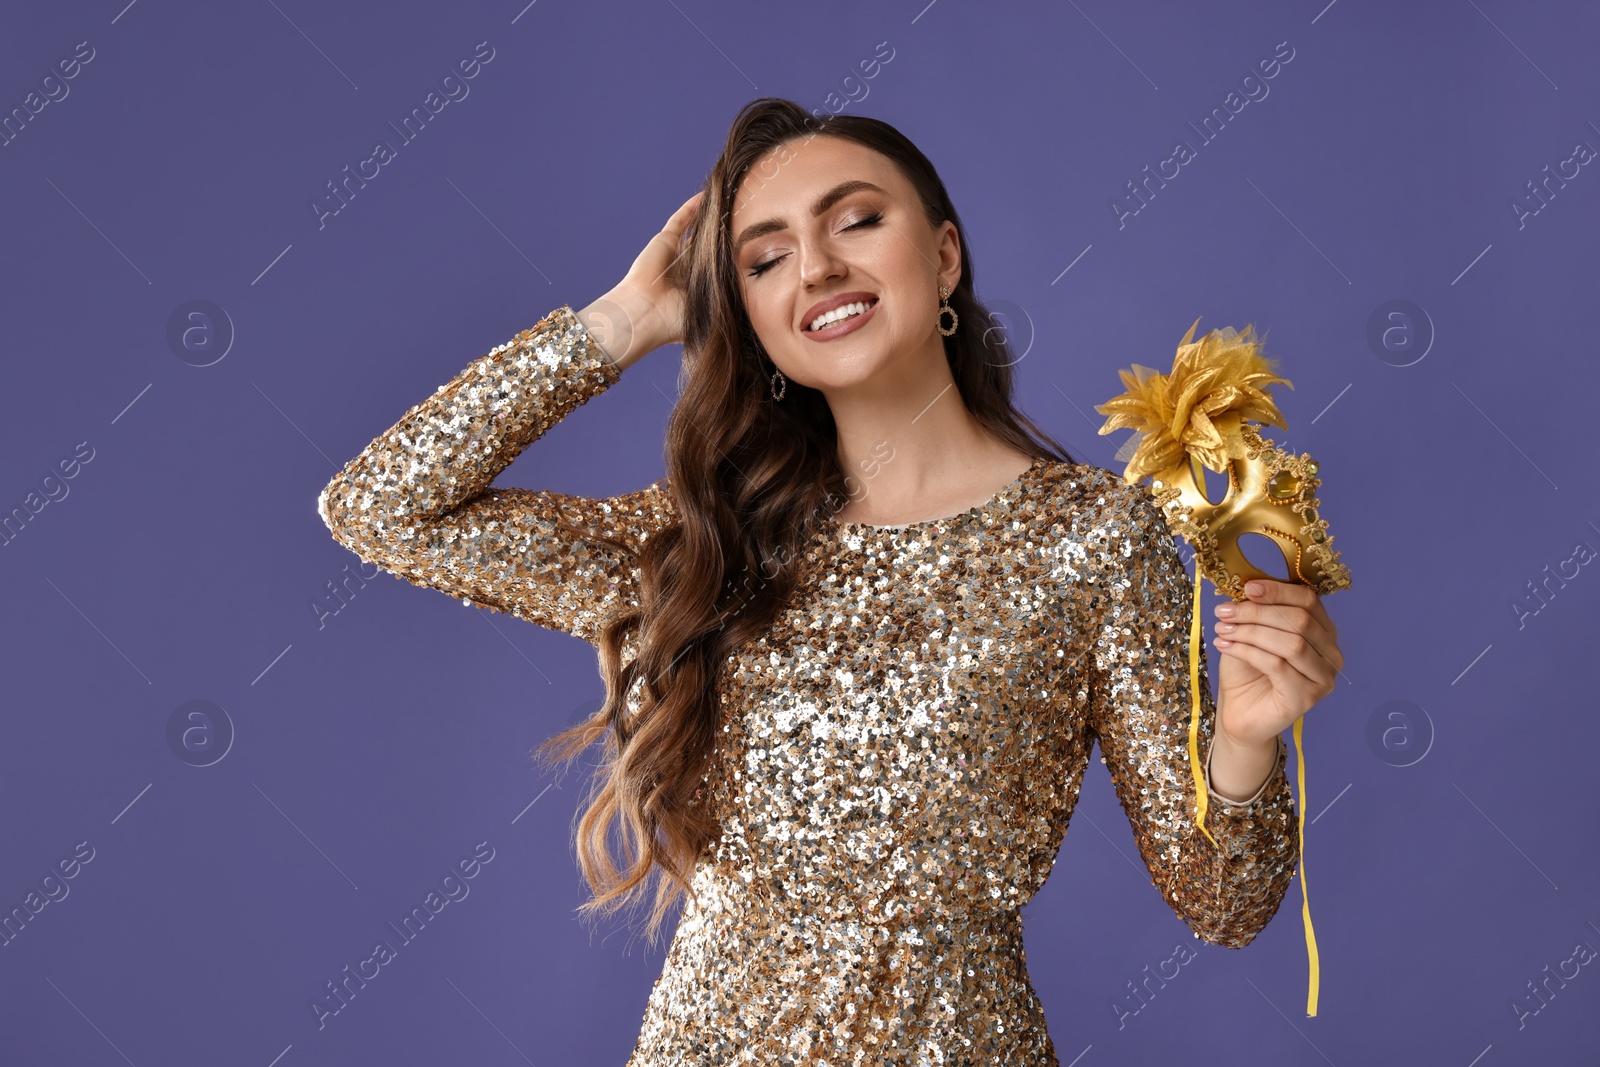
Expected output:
(1216, 383)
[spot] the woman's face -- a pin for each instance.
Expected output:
(823, 218)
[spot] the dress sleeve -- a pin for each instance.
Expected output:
(417, 500)
(1139, 710)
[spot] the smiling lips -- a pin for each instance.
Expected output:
(840, 316)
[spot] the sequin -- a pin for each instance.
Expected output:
(899, 754)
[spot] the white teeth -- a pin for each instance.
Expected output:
(828, 318)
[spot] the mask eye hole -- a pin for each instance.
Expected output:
(1217, 486)
(1265, 555)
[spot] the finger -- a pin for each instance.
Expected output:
(1284, 604)
(1295, 649)
(673, 234)
(1284, 617)
(680, 219)
(1276, 591)
(1292, 624)
(1319, 611)
(1290, 687)
(1290, 619)
(1290, 683)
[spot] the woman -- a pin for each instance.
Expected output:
(859, 641)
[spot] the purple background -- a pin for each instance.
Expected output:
(373, 751)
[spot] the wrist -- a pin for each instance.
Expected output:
(621, 324)
(1243, 742)
(615, 325)
(1238, 771)
(1245, 749)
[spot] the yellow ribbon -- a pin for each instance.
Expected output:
(1201, 803)
(1305, 902)
(1194, 713)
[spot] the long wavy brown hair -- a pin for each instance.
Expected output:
(750, 479)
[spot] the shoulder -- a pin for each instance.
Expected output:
(1090, 500)
(1098, 532)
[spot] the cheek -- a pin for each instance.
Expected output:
(909, 277)
(762, 309)
(766, 317)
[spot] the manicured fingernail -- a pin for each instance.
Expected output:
(1255, 588)
(1226, 611)
(1223, 642)
(1227, 627)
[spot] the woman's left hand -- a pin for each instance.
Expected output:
(1280, 655)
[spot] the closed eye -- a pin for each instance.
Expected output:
(761, 268)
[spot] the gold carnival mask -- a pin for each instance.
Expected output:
(1202, 415)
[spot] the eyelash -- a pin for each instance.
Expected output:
(871, 220)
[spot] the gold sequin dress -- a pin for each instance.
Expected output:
(899, 755)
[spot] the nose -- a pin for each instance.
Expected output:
(818, 263)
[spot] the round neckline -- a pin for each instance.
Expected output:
(976, 511)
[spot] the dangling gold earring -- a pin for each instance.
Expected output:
(780, 385)
(955, 320)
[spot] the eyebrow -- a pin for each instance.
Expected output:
(824, 202)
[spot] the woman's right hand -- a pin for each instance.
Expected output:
(645, 310)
